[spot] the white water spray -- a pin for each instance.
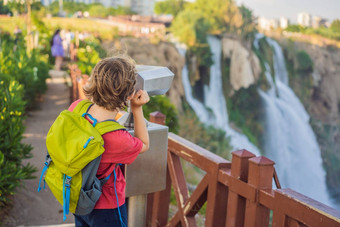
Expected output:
(215, 100)
(289, 138)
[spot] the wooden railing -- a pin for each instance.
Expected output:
(237, 193)
(78, 80)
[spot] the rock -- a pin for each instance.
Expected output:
(245, 67)
(325, 103)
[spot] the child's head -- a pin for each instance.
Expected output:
(111, 83)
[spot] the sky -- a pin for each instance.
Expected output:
(329, 9)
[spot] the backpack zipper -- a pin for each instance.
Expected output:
(88, 141)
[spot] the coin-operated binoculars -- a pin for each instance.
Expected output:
(147, 173)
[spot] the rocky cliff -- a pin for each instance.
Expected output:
(245, 66)
(324, 108)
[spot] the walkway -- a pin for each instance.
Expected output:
(32, 208)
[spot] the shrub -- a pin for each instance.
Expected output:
(163, 104)
(305, 63)
(30, 71)
(12, 151)
(87, 58)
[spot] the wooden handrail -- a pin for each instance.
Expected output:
(233, 197)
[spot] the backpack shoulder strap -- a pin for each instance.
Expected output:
(82, 106)
(108, 126)
(102, 127)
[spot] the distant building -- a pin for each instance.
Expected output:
(284, 22)
(319, 22)
(267, 24)
(304, 19)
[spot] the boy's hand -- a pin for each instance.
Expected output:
(139, 99)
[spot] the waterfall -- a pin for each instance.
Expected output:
(214, 110)
(289, 138)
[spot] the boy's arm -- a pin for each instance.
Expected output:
(141, 132)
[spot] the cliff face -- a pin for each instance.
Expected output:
(245, 67)
(325, 103)
(158, 54)
(324, 108)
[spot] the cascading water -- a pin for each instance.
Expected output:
(289, 138)
(214, 110)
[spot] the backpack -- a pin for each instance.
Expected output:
(74, 149)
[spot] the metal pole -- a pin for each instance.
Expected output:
(137, 211)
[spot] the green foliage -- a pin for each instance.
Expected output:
(163, 104)
(208, 137)
(29, 70)
(87, 57)
(295, 28)
(16, 6)
(190, 27)
(4, 9)
(222, 15)
(265, 55)
(97, 10)
(12, 151)
(335, 26)
(120, 10)
(172, 7)
(70, 7)
(305, 63)
(332, 33)
(248, 27)
(300, 68)
(244, 111)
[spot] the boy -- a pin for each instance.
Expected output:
(110, 87)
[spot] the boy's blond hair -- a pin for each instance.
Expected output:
(112, 81)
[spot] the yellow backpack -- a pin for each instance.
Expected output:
(74, 148)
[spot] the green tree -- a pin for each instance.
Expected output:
(190, 27)
(223, 15)
(97, 10)
(4, 9)
(120, 10)
(172, 7)
(16, 6)
(248, 27)
(335, 26)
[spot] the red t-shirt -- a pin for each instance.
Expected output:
(120, 147)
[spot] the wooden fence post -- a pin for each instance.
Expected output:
(261, 170)
(236, 203)
(158, 203)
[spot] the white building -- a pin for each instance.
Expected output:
(267, 24)
(284, 22)
(319, 22)
(304, 19)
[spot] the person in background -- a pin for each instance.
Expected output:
(57, 49)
